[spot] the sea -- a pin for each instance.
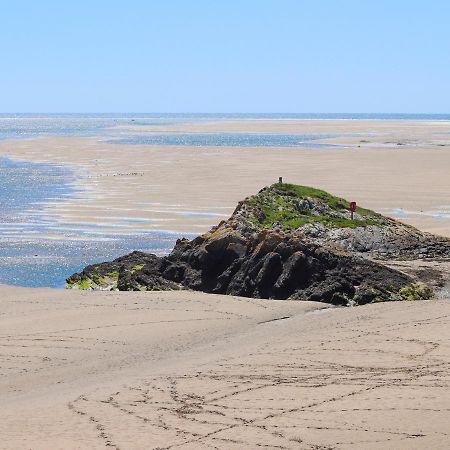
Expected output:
(38, 251)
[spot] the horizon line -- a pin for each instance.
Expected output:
(230, 113)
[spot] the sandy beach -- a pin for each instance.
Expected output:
(95, 370)
(128, 370)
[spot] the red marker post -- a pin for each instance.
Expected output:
(352, 208)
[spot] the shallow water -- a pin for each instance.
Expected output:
(27, 257)
(26, 126)
(23, 185)
(227, 139)
(47, 262)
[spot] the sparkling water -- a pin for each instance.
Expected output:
(28, 256)
(24, 126)
(227, 139)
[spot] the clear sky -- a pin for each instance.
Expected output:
(225, 56)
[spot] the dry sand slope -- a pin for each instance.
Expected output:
(184, 370)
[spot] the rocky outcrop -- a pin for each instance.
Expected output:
(392, 241)
(286, 242)
(318, 216)
(123, 274)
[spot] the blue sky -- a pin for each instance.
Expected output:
(225, 56)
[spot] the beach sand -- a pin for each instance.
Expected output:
(95, 370)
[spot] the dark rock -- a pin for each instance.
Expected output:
(317, 261)
(295, 273)
(269, 272)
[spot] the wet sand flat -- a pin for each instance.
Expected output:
(94, 370)
(399, 168)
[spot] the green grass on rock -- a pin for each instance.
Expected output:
(282, 203)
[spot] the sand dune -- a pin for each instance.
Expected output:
(93, 370)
